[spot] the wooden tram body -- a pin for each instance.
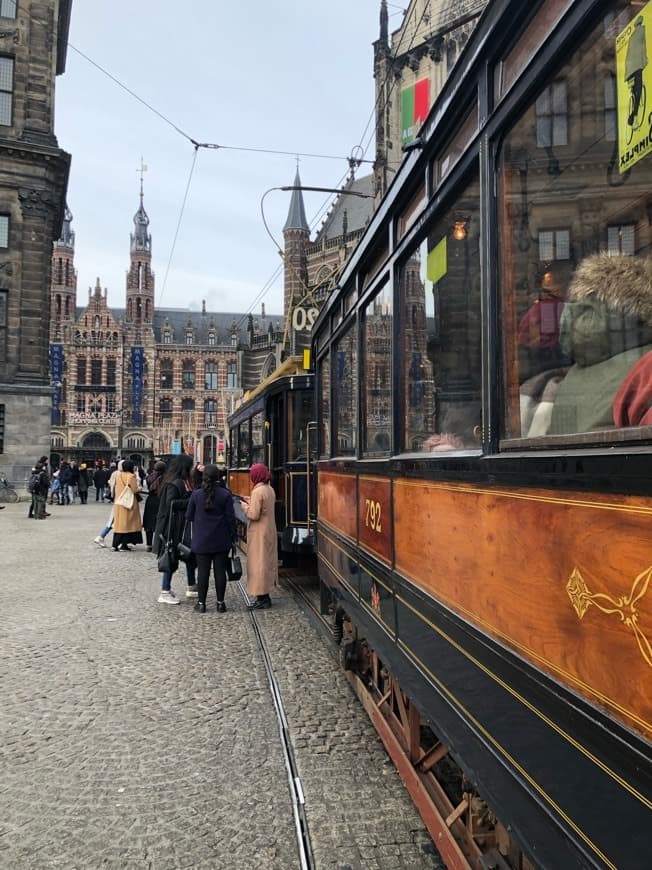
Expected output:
(274, 426)
(500, 591)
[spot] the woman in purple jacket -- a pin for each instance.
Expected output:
(210, 510)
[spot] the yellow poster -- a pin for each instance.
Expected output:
(437, 264)
(634, 89)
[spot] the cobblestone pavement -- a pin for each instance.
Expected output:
(135, 734)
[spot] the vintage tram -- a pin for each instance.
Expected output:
(275, 425)
(484, 384)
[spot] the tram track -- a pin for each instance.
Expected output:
(304, 845)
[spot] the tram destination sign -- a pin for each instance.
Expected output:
(634, 89)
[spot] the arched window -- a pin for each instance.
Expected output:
(231, 376)
(210, 376)
(166, 409)
(211, 339)
(209, 453)
(188, 405)
(67, 305)
(57, 305)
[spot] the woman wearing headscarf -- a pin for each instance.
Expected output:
(210, 513)
(262, 543)
(175, 491)
(153, 500)
(126, 520)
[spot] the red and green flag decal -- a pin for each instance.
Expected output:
(415, 103)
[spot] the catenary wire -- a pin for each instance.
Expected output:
(176, 234)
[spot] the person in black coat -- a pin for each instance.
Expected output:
(210, 510)
(65, 478)
(170, 519)
(100, 480)
(150, 513)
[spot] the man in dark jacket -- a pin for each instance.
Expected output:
(65, 478)
(41, 493)
(100, 480)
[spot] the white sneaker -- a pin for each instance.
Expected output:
(167, 598)
(99, 541)
(191, 592)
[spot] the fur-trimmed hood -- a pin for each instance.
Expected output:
(609, 308)
(620, 281)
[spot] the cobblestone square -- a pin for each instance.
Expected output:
(141, 735)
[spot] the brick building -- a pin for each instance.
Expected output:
(33, 183)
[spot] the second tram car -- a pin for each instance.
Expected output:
(275, 425)
(484, 384)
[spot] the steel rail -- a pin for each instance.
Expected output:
(294, 780)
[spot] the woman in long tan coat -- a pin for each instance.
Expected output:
(127, 523)
(262, 544)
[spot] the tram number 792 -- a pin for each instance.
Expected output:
(373, 516)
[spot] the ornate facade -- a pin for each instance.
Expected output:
(33, 182)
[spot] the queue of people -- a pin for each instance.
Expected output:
(188, 519)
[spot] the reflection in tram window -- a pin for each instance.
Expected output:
(442, 332)
(257, 444)
(575, 232)
(325, 406)
(243, 445)
(346, 392)
(377, 386)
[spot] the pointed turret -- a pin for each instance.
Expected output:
(63, 295)
(296, 219)
(296, 234)
(140, 239)
(140, 278)
(384, 18)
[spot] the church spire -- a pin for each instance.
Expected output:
(384, 30)
(296, 219)
(140, 238)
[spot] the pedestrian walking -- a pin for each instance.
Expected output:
(127, 523)
(153, 500)
(83, 483)
(175, 491)
(41, 489)
(65, 478)
(55, 489)
(262, 543)
(74, 481)
(210, 513)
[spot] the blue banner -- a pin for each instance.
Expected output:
(137, 355)
(56, 378)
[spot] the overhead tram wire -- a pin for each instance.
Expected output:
(176, 234)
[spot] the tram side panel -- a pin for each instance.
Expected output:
(512, 620)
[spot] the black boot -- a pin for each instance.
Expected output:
(262, 602)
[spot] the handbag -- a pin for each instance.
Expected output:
(126, 498)
(183, 550)
(233, 566)
(168, 559)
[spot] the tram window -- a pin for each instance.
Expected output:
(325, 406)
(576, 302)
(300, 413)
(377, 381)
(441, 331)
(346, 393)
(243, 445)
(257, 446)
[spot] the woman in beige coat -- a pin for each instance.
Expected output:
(127, 523)
(262, 544)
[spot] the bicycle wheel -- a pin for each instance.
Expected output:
(8, 494)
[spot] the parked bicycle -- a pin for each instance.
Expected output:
(7, 493)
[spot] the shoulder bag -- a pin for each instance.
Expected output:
(183, 550)
(126, 498)
(233, 565)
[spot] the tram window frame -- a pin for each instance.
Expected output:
(589, 59)
(374, 382)
(457, 145)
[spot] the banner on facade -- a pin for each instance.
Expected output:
(415, 105)
(56, 379)
(634, 89)
(137, 357)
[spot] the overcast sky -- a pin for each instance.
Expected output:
(289, 75)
